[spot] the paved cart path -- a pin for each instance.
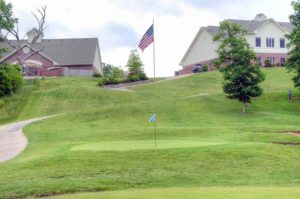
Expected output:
(12, 139)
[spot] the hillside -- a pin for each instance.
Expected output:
(103, 141)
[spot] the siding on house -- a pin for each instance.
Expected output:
(97, 60)
(202, 49)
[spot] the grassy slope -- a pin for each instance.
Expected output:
(190, 109)
(11, 107)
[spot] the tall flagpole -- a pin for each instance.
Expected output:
(153, 52)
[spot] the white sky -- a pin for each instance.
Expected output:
(120, 24)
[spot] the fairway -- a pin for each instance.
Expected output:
(195, 193)
(101, 140)
(143, 145)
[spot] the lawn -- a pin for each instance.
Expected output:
(103, 141)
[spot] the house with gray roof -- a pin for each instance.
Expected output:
(265, 35)
(56, 57)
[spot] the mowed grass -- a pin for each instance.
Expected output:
(195, 193)
(142, 145)
(103, 141)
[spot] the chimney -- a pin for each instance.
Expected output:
(260, 17)
(33, 33)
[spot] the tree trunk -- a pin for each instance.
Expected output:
(244, 107)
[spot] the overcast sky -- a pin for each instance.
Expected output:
(120, 24)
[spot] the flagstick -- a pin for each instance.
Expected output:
(153, 52)
(155, 133)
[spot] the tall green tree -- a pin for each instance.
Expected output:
(135, 67)
(7, 22)
(134, 63)
(293, 61)
(241, 77)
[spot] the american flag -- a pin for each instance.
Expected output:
(147, 39)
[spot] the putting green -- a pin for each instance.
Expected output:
(195, 193)
(142, 145)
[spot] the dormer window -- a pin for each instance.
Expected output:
(282, 43)
(258, 42)
(270, 42)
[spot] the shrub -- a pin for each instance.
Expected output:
(115, 80)
(268, 63)
(106, 81)
(11, 79)
(142, 76)
(102, 81)
(96, 74)
(133, 78)
(204, 68)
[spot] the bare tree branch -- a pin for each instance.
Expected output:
(40, 17)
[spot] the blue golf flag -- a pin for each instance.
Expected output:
(153, 118)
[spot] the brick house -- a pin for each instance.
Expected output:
(59, 57)
(265, 35)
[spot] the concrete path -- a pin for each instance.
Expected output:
(126, 86)
(12, 139)
(294, 133)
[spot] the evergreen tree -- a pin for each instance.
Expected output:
(293, 62)
(241, 77)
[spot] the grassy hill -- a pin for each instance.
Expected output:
(103, 141)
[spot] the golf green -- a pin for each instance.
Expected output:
(142, 145)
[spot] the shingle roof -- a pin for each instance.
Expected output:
(212, 29)
(249, 25)
(287, 25)
(65, 51)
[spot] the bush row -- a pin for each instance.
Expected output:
(115, 80)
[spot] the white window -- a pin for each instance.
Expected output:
(282, 42)
(270, 42)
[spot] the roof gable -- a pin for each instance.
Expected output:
(79, 51)
(251, 26)
(283, 28)
(14, 51)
